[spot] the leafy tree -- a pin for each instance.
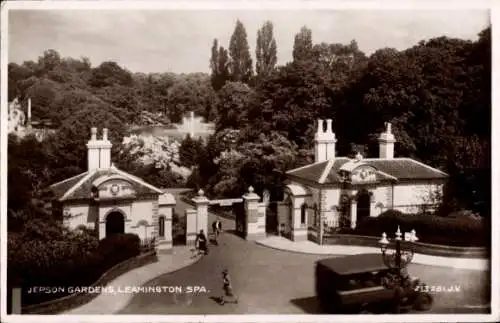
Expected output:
(122, 98)
(68, 144)
(154, 91)
(240, 64)
(290, 101)
(50, 60)
(190, 151)
(110, 73)
(234, 101)
(43, 93)
(191, 94)
(63, 107)
(267, 157)
(302, 46)
(223, 66)
(258, 163)
(219, 64)
(265, 51)
(20, 176)
(16, 73)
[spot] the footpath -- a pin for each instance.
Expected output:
(107, 303)
(310, 247)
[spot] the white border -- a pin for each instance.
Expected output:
(253, 5)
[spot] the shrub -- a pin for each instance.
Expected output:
(117, 248)
(453, 231)
(42, 256)
(77, 258)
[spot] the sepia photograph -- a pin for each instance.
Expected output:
(308, 161)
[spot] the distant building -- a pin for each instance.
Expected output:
(339, 191)
(110, 201)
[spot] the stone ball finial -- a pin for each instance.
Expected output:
(200, 192)
(250, 189)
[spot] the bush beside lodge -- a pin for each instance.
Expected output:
(463, 230)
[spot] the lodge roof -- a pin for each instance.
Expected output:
(329, 172)
(79, 187)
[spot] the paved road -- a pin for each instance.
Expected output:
(268, 281)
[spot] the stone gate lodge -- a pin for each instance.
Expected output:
(330, 193)
(110, 200)
(339, 191)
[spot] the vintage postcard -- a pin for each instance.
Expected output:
(248, 161)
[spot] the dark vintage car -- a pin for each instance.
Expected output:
(358, 284)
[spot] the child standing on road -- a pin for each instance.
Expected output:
(228, 288)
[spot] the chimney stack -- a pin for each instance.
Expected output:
(324, 148)
(93, 149)
(386, 143)
(105, 150)
(99, 151)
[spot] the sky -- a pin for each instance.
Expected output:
(180, 41)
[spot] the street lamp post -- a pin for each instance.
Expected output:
(397, 260)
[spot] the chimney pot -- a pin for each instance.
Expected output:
(93, 133)
(105, 134)
(320, 126)
(329, 126)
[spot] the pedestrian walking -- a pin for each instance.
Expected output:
(217, 228)
(201, 242)
(227, 287)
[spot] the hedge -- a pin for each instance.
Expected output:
(78, 299)
(465, 231)
(62, 264)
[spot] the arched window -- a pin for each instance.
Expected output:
(161, 226)
(303, 214)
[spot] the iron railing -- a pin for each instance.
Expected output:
(148, 245)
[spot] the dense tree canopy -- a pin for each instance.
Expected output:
(437, 94)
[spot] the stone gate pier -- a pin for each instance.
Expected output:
(254, 226)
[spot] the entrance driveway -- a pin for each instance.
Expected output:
(269, 281)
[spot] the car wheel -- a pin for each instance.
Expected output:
(423, 302)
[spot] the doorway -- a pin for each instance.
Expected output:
(115, 223)
(363, 205)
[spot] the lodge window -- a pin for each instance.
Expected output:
(161, 226)
(303, 214)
